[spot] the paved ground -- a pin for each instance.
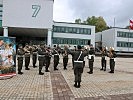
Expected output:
(58, 85)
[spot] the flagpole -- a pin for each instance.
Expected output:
(114, 22)
(115, 45)
(128, 35)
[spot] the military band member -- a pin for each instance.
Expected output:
(103, 58)
(34, 55)
(20, 53)
(48, 58)
(91, 59)
(78, 64)
(65, 57)
(112, 56)
(59, 49)
(41, 57)
(27, 50)
(56, 57)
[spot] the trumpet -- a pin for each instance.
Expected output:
(110, 54)
(65, 54)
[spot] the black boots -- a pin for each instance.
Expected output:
(111, 71)
(20, 72)
(40, 73)
(77, 86)
(27, 68)
(101, 68)
(90, 72)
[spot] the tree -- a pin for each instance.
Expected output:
(98, 22)
(127, 27)
(78, 21)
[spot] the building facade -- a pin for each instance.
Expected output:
(120, 39)
(1, 10)
(32, 22)
(73, 34)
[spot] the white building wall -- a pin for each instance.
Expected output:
(98, 37)
(28, 13)
(1, 1)
(76, 36)
(1, 9)
(124, 39)
(108, 38)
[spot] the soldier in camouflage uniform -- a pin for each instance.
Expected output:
(34, 55)
(41, 57)
(112, 56)
(27, 49)
(56, 57)
(78, 64)
(65, 57)
(103, 58)
(20, 55)
(48, 58)
(91, 59)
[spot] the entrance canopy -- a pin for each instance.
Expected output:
(30, 32)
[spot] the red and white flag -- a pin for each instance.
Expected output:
(131, 24)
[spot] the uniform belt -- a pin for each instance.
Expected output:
(79, 61)
(20, 56)
(112, 58)
(34, 52)
(27, 53)
(56, 54)
(89, 56)
(41, 55)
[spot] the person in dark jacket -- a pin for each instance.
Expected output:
(78, 57)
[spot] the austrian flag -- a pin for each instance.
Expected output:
(131, 24)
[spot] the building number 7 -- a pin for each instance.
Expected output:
(36, 9)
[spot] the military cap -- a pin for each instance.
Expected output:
(79, 47)
(42, 44)
(54, 45)
(20, 45)
(91, 44)
(26, 44)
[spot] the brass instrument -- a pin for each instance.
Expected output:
(48, 51)
(27, 49)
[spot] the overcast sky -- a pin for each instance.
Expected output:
(69, 10)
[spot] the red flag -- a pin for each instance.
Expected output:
(131, 24)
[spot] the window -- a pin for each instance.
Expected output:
(58, 29)
(74, 30)
(70, 30)
(63, 29)
(81, 31)
(85, 31)
(78, 30)
(55, 28)
(66, 30)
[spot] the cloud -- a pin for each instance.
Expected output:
(121, 10)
